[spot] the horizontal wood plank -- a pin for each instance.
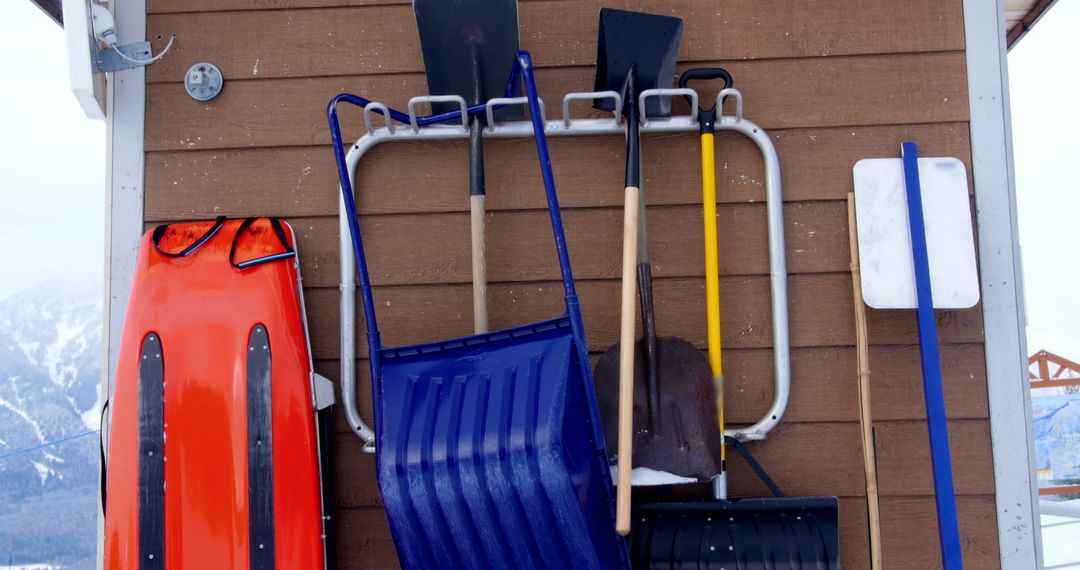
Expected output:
(823, 387)
(804, 459)
(434, 248)
(354, 473)
(910, 537)
(903, 455)
(908, 530)
(291, 112)
(815, 164)
(381, 39)
(363, 540)
(854, 538)
(820, 312)
(182, 6)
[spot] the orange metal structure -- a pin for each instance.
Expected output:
(203, 310)
(1066, 374)
(1061, 490)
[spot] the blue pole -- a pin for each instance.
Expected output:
(525, 69)
(933, 391)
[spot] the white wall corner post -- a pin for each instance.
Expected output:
(1016, 490)
(125, 125)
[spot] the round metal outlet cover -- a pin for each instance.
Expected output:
(203, 81)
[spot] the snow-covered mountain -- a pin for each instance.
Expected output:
(50, 372)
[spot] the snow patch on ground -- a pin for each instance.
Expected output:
(28, 349)
(54, 357)
(44, 471)
(74, 406)
(15, 388)
(37, 428)
(1061, 549)
(92, 417)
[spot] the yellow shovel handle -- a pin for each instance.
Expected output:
(712, 257)
(712, 271)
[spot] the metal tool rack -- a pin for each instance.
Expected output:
(415, 130)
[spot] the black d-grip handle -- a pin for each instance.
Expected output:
(706, 117)
(159, 232)
(278, 230)
(704, 73)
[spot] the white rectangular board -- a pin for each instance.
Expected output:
(87, 84)
(888, 273)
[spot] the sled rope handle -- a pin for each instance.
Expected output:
(278, 230)
(159, 232)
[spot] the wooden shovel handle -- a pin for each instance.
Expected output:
(479, 265)
(626, 360)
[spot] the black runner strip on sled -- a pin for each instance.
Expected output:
(151, 454)
(325, 422)
(260, 451)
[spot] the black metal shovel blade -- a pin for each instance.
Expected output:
(469, 48)
(649, 41)
(746, 534)
(686, 440)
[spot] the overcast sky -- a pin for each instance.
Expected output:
(52, 192)
(1044, 87)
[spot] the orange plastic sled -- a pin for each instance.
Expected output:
(214, 443)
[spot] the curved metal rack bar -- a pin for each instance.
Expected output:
(422, 128)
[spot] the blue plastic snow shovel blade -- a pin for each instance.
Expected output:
(487, 456)
(489, 448)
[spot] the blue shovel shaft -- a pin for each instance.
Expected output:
(933, 390)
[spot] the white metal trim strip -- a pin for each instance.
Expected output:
(1020, 544)
(125, 127)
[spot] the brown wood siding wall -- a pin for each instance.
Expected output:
(832, 81)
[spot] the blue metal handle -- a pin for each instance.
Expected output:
(404, 117)
(398, 115)
(522, 69)
(933, 391)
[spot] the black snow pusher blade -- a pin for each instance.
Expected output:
(778, 533)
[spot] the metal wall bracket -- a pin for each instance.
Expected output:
(567, 126)
(108, 60)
